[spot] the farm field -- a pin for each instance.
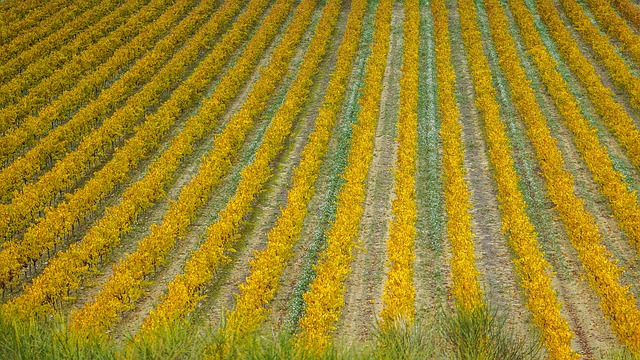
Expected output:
(320, 178)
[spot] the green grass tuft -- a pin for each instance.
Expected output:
(482, 334)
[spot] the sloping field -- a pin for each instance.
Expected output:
(336, 178)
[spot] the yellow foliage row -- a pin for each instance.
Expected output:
(617, 302)
(184, 290)
(399, 293)
(60, 220)
(60, 42)
(466, 288)
(613, 114)
(622, 201)
(126, 285)
(44, 84)
(601, 45)
(268, 264)
(530, 263)
(48, 23)
(85, 92)
(61, 139)
(629, 10)
(616, 26)
(95, 144)
(23, 169)
(65, 271)
(325, 298)
(15, 11)
(19, 16)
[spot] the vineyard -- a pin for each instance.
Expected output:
(320, 178)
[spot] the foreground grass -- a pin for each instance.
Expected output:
(479, 335)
